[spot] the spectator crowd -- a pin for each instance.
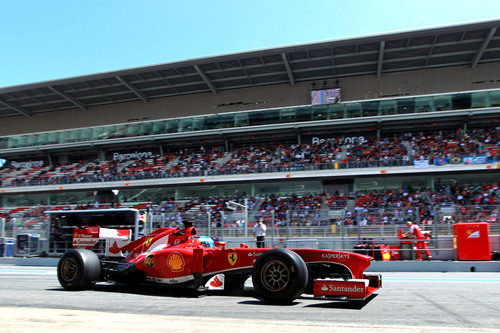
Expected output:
(437, 148)
(468, 203)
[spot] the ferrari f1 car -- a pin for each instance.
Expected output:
(178, 257)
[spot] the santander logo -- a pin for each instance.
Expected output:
(334, 288)
(216, 282)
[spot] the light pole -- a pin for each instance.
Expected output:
(209, 225)
(209, 219)
(232, 205)
(2, 221)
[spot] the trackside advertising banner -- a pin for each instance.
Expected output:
(423, 163)
(18, 164)
(124, 155)
(476, 160)
(440, 161)
(341, 140)
(420, 164)
(465, 160)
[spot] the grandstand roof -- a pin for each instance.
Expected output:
(457, 45)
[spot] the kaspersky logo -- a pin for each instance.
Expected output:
(2, 162)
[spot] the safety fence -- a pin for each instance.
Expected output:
(315, 222)
(325, 217)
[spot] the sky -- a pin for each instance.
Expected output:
(43, 40)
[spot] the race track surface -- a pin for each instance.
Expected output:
(31, 299)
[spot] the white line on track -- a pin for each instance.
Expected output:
(445, 280)
(16, 271)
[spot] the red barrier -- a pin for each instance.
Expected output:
(472, 241)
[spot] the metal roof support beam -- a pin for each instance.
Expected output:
(96, 89)
(333, 62)
(17, 109)
(245, 71)
(483, 47)
(380, 58)
(288, 69)
(69, 98)
(206, 79)
(164, 79)
(133, 89)
(430, 51)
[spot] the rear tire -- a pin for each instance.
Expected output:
(78, 269)
(279, 276)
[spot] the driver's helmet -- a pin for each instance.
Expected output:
(206, 241)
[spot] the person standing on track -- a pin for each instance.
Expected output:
(416, 232)
(259, 231)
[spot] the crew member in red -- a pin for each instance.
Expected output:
(416, 232)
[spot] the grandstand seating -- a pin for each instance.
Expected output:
(443, 147)
(475, 203)
(141, 205)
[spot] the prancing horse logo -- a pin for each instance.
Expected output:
(232, 258)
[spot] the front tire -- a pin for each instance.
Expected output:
(78, 269)
(279, 276)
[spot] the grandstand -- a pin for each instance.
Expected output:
(369, 130)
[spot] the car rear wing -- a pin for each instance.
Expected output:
(88, 237)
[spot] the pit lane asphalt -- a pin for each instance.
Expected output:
(435, 300)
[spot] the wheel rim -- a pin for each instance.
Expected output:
(275, 275)
(69, 269)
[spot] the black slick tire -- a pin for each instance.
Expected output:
(78, 269)
(279, 276)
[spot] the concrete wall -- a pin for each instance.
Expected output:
(485, 76)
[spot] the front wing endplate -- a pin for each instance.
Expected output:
(354, 289)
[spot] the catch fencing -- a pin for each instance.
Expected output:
(331, 222)
(283, 227)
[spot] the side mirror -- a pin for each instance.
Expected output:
(222, 245)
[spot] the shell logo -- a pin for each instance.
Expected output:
(175, 261)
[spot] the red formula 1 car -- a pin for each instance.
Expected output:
(178, 257)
